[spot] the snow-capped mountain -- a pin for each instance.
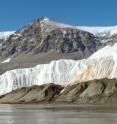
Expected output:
(102, 64)
(44, 36)
(6, 34)
(97, 31)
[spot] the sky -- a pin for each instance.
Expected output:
(15, 14)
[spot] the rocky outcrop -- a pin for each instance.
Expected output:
(94, 89)
(91, 92)
(35, 94)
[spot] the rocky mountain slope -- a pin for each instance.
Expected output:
(43, 35)
(44, 40)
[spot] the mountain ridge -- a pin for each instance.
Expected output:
(103, 31)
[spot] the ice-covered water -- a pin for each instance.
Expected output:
(57, 114)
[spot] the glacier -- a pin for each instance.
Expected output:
(102, 64)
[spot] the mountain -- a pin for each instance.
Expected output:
(44, 40)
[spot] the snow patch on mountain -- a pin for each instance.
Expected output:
(100, 31)
(6, 61)
(6, 34)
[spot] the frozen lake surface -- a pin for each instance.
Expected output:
(57, 114)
